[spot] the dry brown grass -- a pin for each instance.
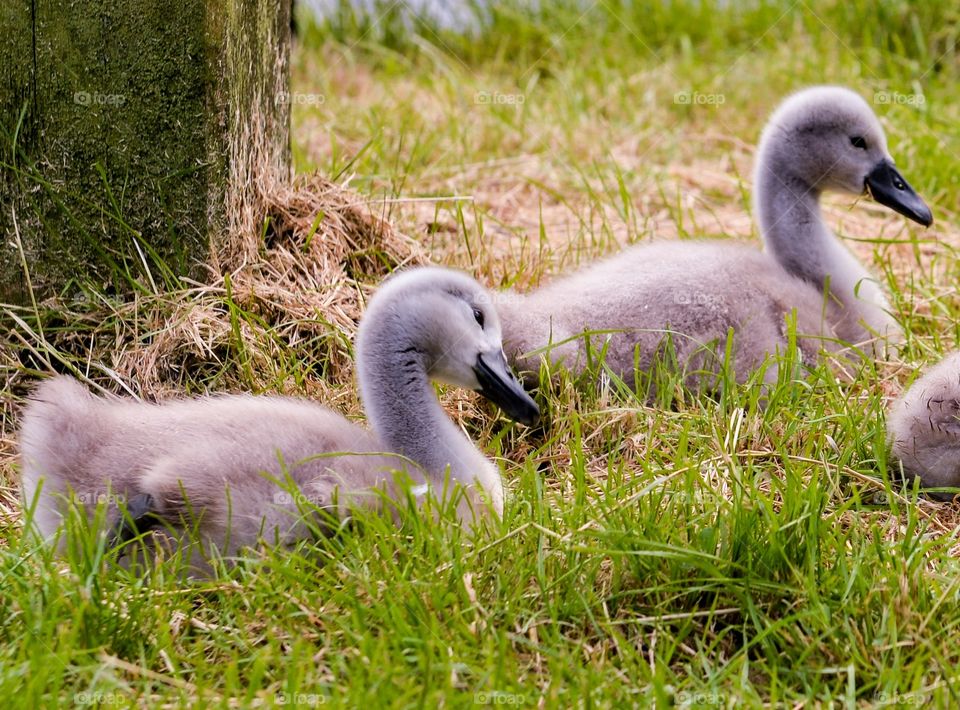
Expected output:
(320, 255)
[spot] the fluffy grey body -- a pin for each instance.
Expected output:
(824, 138)
(224, 464)
(221, 461)
(695, 292)
(923, 427)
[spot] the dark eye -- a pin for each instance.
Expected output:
(858, 142)
(478, 316)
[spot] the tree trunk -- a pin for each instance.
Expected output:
(137, 138)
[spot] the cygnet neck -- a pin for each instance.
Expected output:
(796, 236)
(404, 412)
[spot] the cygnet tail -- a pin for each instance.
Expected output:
(55, 436)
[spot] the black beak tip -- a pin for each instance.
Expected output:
(518, 406)
(918, 212)
(531, 415)
(500, 386)
(888, 187)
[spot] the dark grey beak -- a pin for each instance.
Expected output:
(498, 384)
(888, 187)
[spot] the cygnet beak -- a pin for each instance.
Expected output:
(887, 186)
(498, 384)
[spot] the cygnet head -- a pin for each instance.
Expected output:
(439, 322)
(828, 138)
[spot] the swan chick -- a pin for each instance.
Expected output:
(240, 469)
(691, 294)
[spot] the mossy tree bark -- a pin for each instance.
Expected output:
(137, 138)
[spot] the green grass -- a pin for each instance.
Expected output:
(704, 552)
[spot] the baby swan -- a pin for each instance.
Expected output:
(224, 463)
(822, 138)
(923, 428)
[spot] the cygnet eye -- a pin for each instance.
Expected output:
(478, 316)
(858, 142)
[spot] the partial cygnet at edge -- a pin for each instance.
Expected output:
(923, 428)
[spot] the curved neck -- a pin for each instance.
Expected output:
(404, 413)
(794, 233)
